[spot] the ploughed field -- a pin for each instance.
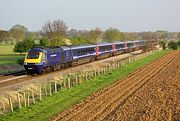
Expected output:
(150, 93)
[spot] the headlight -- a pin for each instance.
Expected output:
(25, 63)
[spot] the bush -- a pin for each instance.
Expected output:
(20, 61)
(173, 45)
(179, 43)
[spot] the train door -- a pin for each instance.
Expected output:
(62, 57)
(44, 58)
(68, 55)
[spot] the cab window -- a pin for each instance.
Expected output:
(33, 56)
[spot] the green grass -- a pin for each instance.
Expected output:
(8, 60)
(50, 106)
(7, 56)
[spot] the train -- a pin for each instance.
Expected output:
(44, 59)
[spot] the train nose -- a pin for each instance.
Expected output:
(30, 67)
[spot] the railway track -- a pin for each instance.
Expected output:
(99, 105)
(14, 78)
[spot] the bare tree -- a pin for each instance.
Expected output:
(54, 31)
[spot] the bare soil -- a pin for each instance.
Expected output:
(150, 93)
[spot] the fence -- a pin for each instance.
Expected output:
(33, 93)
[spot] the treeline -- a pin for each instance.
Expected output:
(55, 33)
(17, 33)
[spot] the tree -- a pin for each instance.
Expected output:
(77, 40)
(24, 46)
(3, 35)
(29, 35)
(164, 36)
(19, 47)
(44, 42)
(83, 36)
(94, 35)
(149, 35)
(54, 31)
(73, 32)
(131, 36)
(163, 44)
(113, 34)
(18, 32)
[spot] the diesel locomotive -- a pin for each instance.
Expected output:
(39, 59)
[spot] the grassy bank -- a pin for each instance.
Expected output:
(50, 106)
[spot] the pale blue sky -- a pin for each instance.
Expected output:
(126, 15)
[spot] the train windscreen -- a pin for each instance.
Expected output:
(33, 56)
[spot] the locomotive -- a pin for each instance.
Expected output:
(39, 60)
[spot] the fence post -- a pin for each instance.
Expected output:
(24, 96)
(55, 87)
(19, 100)
(95, 73)
(119, 64)
(46, 89)
(28, 99)
(79, 79)
(50, 93)
(32, 92)
(64, 83)
(76, 80)
(11, 105)
(69, 82)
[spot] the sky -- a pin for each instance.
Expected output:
(125, 15)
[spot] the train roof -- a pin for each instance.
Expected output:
(126, 41)
(65, 47)
(104, 43)
(68, 47)
(36, 49)
(81, 46)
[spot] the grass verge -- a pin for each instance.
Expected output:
(50, 106)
